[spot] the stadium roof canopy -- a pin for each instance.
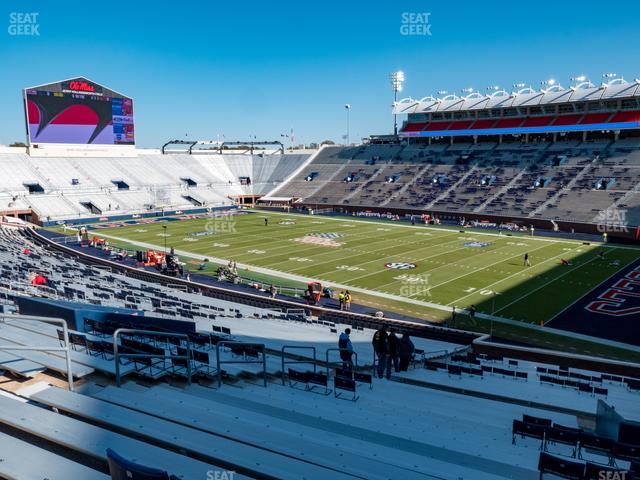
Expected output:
(525, 97)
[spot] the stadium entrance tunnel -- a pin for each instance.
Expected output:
(121, 184)
(90, 206)
(193, 200)
(33, 187)
(189, 182)
(555, 298)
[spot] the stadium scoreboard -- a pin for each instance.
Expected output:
(78, 112)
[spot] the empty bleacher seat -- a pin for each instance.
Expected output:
(560, 467)
(123, 469)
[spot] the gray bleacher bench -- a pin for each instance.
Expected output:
(19, 366)
(41, 463)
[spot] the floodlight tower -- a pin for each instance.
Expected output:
(347, 107)
(397, 79)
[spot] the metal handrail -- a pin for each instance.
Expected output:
(65, 348)
(431, 355)
(117, 354)
(241, 344)
(290, 362)
(354, 366)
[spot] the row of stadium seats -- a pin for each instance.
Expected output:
(533, 121)
(63, 187)
(523, 182)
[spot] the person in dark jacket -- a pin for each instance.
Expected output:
(346, 349)
(380, 344)
(405, 352)
(394, 356)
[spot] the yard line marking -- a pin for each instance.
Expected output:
(471, 232)
(298, 278)
(383, 258)
(550, 282)
(511, 276)
(346, 249)
(457, 264)
(485, 267)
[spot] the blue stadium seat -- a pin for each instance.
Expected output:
(122, 469)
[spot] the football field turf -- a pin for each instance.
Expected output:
(397, 266)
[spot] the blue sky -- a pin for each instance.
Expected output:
(203, 69)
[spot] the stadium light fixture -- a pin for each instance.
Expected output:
(467, 90)
(519, 85)
(442, 92)
(347, 107)
(609, 75)
(397, 79)
(579, 79)
(548, 83)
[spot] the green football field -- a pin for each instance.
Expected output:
(415, 270)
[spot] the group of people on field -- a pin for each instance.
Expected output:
(390, 350)
(344, 299)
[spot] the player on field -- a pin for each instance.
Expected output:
(527, 263)
(266, 222)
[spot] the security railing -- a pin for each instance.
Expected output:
(353, 365)
(292, 362)
(56, 321)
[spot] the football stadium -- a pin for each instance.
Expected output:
(455, 294)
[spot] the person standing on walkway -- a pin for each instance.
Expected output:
(405, 351)
(346, 349)
(380, 344)
(394, 351)
(341, 300)
(347, 301)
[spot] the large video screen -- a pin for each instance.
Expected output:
(78, 112)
